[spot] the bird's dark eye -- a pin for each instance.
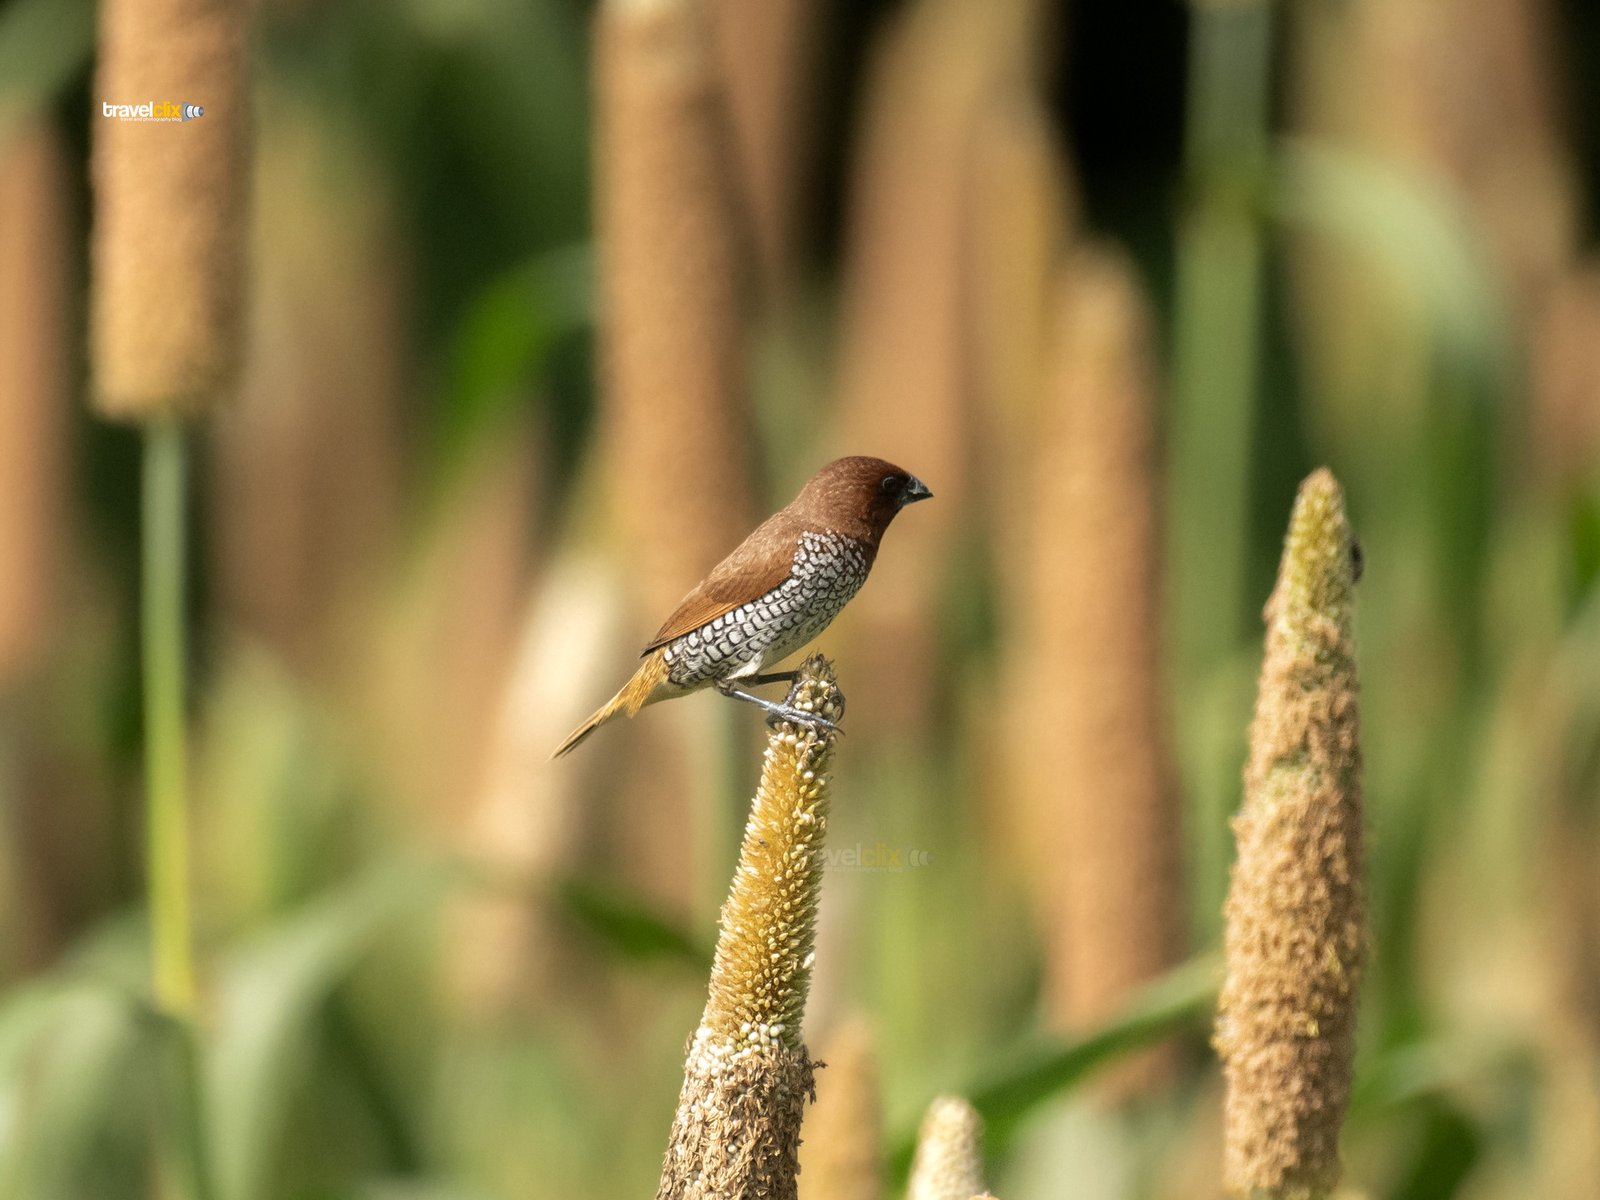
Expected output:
(891, 483)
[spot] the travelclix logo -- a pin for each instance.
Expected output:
(151, 110)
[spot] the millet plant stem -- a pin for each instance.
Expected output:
(166, 811)
(179, 1137)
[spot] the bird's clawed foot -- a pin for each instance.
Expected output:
(799, 716)
(775, 710)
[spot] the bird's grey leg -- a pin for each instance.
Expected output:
(785, 712)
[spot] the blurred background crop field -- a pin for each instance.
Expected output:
(545, 306)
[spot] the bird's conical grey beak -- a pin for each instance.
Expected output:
(915, 490)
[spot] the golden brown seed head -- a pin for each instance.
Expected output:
(170, 201)
(1295, 937)
(763, 965)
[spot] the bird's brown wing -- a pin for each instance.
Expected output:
(762, 562)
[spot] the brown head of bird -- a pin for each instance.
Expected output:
(857, 496)
(777, 591)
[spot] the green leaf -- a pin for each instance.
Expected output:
(66, 1045)
(1004, 1097)
(628, 926)
(268, 996)
(505, 340)
(76, 1097)
(1444, 1150)
(1417, 1069)
(1410, 228)
(1409, 1094)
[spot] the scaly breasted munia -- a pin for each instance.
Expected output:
(772, 595)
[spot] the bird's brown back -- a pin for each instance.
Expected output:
(761, 562)
(844, 497)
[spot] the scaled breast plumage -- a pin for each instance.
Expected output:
(826, 570)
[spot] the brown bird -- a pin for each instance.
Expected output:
(772, 595)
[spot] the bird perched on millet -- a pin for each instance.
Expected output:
(772, 595)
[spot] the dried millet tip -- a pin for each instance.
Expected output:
(948, 1163)
(765, 953)
(1295, 936)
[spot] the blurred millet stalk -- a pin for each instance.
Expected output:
(768, 54)
(1024, 214)
(841, 1158)
(949, 1160)
(305, 469)
(1470, 93)
(1564, 377)
(1295, 936)
(675, 263)
(35, 336)
(170, 202)
(1102, 790)
(166, 260)
(506, 955)
(1465, 98)
(676, 274)
(748, 1075)
(904, 350)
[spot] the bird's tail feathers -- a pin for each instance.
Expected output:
(633, 696)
